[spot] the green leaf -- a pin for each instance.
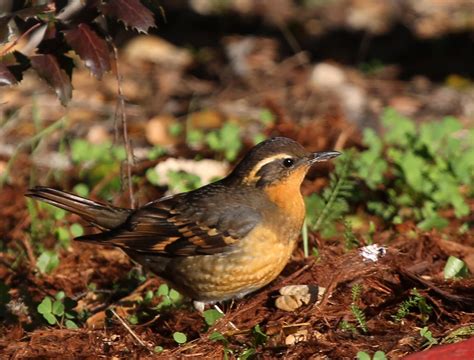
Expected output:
(370, 164)
(45, 306)
(435, 222)
(156, 152)
(81, 189)
(152, 176)
(379, 355)
(217, 336)
(47, 262)
(58, 214)
(247, 353)
(80, 151)
(181, 181)
(76, 230)
(211, 316)
(158, 349)
(104, 153)
(412, 167)
(455, 268)
(179, 337)
(258, 138)
(148, 296)
(400, 129)
(436, 136)
(69, 315)
(463, 166)
(194, 137)
(259, 336)
(431, 217)
(58, 308)
(119, 153)
(71, 325)
(133, 319)
(427, 334)
(63, 235)
(362, 355)
(175, 129)
(163, 290)
(174, 295)
(226, 141)
(50, 318)
(60, 295)
(267, 117)
(372, 141)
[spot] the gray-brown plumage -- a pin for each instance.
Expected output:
(220, 241)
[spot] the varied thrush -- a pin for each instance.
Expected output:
(221, 241)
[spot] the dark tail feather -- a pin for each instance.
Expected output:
(99, 214)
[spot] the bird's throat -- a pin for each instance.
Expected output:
(287, 196)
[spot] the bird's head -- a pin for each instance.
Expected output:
(277, 160)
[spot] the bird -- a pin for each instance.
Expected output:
(219, 242)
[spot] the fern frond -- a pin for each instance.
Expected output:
(340, 188)
(414, 301)
(356, 292)
(359, 316)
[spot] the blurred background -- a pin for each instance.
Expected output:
(388, 83)
(317, 71)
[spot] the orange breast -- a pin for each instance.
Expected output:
(287, 196)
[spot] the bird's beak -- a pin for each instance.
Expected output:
(322, 156)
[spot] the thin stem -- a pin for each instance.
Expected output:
(120, 112)
(26, 33)
(304, 234)
(129, 329)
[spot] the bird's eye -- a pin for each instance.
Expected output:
(288, 162)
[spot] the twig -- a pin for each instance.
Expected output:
(149, 322)
(29, 251)
(25, 240)
(125, 325)
(230, 322)
(343, 137)
(120, 112)
(8, 48)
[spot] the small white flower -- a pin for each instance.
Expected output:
(373, 252)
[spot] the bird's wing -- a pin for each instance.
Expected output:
(179, 227)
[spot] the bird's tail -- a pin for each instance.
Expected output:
(102, 215)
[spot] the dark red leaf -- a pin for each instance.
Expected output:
(131, 12)
(90, 47)
(6, 77)
(48, 68)
(16, 64)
